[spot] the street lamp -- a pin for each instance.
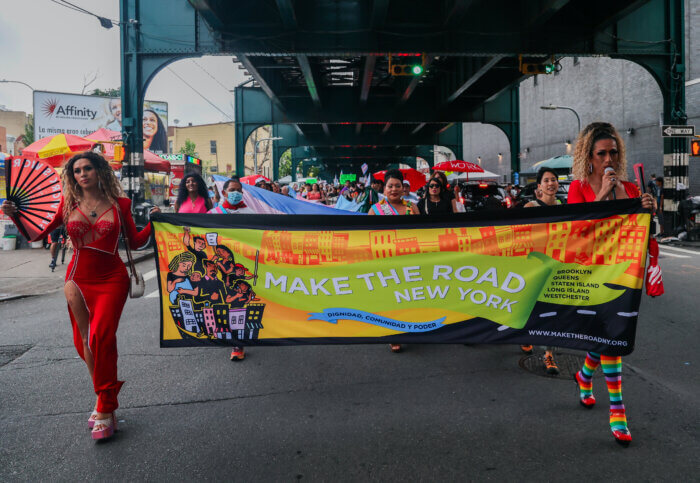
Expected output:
(255, 152)
(16, 82)
(552, 107)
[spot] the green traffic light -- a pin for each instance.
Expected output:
(417, 69)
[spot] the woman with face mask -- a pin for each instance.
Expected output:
(232, 199)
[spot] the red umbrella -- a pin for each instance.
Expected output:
(413, 176)
(253, 179)
(35, 188)
(459, 166)
(55, 150)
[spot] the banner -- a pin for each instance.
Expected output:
(59, 112)
(566, 276)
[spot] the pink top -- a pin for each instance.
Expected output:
(198, 207)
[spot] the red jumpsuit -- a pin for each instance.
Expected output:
(100, 275)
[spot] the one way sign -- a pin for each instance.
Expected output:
(677, 131)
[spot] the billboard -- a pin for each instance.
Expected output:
(57, 112)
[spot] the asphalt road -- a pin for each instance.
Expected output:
(448, 412)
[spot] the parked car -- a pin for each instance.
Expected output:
(483, 196)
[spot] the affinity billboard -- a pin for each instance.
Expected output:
(58, 112)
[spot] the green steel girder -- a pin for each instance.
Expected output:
(444, 28)
(293, 50)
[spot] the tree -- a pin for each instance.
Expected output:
(285, 168)
(109, 92)
(29, 130)
(189, 148)
(314, 171)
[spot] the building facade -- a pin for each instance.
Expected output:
(215, 145)
(599, 89)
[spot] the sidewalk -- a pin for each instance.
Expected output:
(26, 272)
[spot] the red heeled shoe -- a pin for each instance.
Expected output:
(586, 401)
(109, 426)
(621, 434)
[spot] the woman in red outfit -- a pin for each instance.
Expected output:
(599, 170)
(93, 209)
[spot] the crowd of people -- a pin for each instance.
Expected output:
(95, 211)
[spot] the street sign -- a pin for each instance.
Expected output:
(677, 131)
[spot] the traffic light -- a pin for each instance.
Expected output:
(548, 67)
(406, 64)
(695, 147)
(118, 152)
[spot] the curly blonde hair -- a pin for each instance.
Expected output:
(583, 151)
(73, 193)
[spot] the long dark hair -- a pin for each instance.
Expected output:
(201, 190)
(160, 139)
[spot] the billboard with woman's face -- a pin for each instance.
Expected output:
(56, 113)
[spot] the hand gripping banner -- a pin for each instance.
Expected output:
(566, 276)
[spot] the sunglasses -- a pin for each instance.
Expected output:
(434, 186)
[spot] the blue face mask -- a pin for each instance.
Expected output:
(234, 197)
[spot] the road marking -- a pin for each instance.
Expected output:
(628, 314)
(149, 275)
(548, 314)
(674, 255)
(676, 249)
(586, 312)
(153, 294)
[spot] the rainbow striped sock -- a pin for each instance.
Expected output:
(585, 375)
(612, 368)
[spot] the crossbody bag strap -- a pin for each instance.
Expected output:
(132, 267)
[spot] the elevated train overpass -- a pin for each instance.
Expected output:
(321, 68)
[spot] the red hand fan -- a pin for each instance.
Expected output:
(35, 188)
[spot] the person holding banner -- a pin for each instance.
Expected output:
(194, 198)
(547, 186)
(95, 211)
(232, 196)
(393, 204)
(599, 169)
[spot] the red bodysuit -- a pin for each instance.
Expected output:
(100, 275)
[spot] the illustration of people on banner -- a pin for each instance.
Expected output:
(209, 294)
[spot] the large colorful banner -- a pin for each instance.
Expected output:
(566, 276)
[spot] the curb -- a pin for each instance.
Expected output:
(137, 259)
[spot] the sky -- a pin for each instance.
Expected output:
(53, 48)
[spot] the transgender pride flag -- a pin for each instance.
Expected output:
(268, 203)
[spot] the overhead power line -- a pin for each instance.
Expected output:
(200, 94)
(107, 23)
